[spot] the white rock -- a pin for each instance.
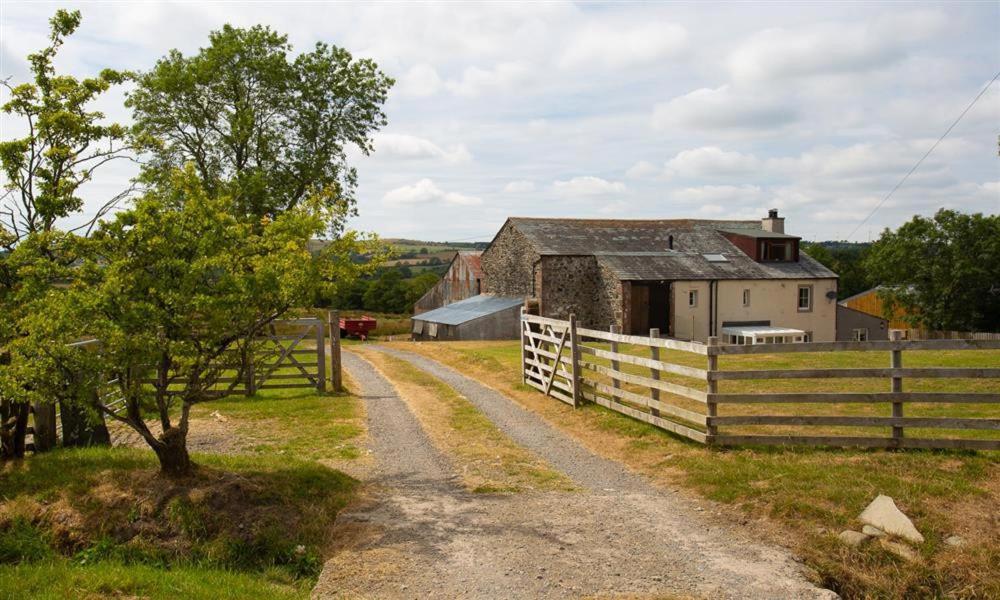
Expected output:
(852, 538)
(901, 550)
(955, 540)
(872, 531)
(882, 513)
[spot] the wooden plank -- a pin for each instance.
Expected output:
(574, 355)
(817, 397)
(666, 386)
(549, 368)
(554, 393)
(615, 365)
(896, 383)
(654, 354)
(310, 376)
(541, 337)
(545, 321)
(639, 340)
(881, 346)
(336, 372)
(286, 386)
(646, 362)
(682, 413)
(660, 422)
(559, 351)
(564, 360)
(848, 441)
(926, 422)
(523, 327)
(925, 373)
(712, 407)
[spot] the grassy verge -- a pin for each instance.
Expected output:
(101, 522)
(804, 496)
(489, 461)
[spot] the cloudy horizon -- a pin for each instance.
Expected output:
(616, 111)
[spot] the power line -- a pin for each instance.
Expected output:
(926, 154)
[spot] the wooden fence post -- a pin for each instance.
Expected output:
(251, 374)
(336, 376)
(713, 387)
(320, 357)
(524, 342)
(574, 352)
(614, 363)
(896, 362)
(44, 425)
(654, 353)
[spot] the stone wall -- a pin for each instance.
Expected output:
(577, 285)
(508, 265)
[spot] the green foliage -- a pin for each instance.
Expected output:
(22, 541)
(944, 271)
(266, 129)
(844, 259)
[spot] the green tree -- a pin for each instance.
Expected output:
(944, 271)
(65, 143)
(387, 293)
(844, 259)
(260, 126)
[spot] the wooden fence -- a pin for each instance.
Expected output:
(633, 375)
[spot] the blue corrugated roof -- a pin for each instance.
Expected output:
(468, 309)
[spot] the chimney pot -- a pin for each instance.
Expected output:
(772, 214)
(773, 222)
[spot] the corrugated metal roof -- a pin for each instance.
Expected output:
(473, 259)
(639, 250)
(469, 309)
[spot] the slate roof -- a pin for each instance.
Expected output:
(469, 309)
(638, 250)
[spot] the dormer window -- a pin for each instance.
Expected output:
(776, 250)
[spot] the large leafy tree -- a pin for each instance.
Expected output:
(65, 142)
(945, 270)
(261, 126)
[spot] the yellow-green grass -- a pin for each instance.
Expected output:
(805, 496)
(101, 522)
(488, 460)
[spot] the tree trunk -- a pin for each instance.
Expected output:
(173, 454)
(45, 426)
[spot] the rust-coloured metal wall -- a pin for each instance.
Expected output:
(462, 280)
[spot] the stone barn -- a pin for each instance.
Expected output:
(689, 278)
(462, 280)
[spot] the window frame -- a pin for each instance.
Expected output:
(746, 297)
(863, 337)
(809, 298)
(692, 298)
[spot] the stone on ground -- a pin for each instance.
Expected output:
(852, 538)
(901, 550)
(882, 513)
(872, 531)
(954, 540)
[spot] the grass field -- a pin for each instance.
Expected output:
(253, 522)
(804, 496)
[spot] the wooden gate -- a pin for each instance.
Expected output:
(549, 358)
(292, 354)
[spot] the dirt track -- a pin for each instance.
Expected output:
(420, 534)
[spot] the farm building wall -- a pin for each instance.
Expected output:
(509, 265)
(775, 301)
(849, 319)
(461, 281)
(575, 285)
(501, 325)
(870, 302)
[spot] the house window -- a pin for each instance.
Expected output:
(746, 297)
(776, 250)
(860, 334)
(807, 337)
(805, 298)
(693, 298)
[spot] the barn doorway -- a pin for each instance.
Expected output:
(650, 307)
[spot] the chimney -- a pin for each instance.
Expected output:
(773, 222)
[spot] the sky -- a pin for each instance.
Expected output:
(623, 110)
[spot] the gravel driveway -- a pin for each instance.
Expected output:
(421, 535)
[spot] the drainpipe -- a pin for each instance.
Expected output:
(713, 307)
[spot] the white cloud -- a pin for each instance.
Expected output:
(587, 185)
(719, 195)
(421, 80)
(408, 147)
(723, 108)
(831, 48)
(613, 45)
(519, 187)
(712, 162)
(426, 191)
(642, 170)
(504, 77)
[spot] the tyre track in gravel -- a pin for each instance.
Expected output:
(421, 535)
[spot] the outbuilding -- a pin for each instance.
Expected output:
(482, 317)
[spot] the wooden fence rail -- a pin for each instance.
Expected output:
(635, 375)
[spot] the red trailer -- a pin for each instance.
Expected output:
(357, 326)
